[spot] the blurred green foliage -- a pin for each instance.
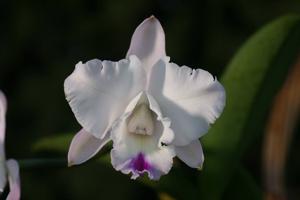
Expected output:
(41, 41)
(252, 79)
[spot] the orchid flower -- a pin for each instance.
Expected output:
(151, 109)
(8, 169)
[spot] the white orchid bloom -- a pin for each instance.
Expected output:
(151, 109)
(8, 169)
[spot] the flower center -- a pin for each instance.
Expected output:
(141, 120)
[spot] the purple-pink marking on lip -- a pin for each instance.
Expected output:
(139, 163)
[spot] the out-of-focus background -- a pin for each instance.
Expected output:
(41, 41)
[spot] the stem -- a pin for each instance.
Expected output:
(31, 163)
(42, 163)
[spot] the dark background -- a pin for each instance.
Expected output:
(41, 41)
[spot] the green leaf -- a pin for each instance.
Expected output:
(243, 186)
(57, 143)
(179, 183)
(251, 81)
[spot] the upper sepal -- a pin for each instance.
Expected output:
(148, 42)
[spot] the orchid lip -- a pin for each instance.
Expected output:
(139, 164)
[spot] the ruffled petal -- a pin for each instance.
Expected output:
(137, 154)
(99, 91)
(84, 146)
(148, 42)
(192, 154)
(14, 180)
(3, 178)
(192, 99)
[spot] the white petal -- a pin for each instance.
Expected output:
(14, 180)
(3, 175)
(3, 105)
(141, 153)
(84, 146)
(148, 42)
(98, 92)
(191, 154)
(192, 99)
